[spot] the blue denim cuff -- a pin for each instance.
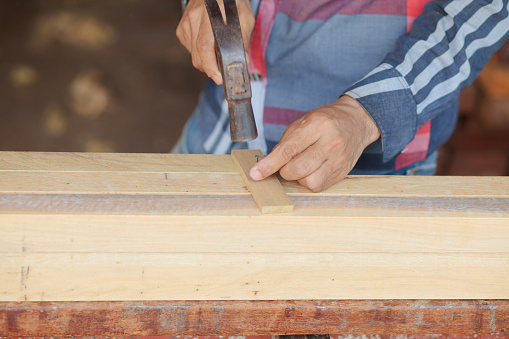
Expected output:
(387, 98)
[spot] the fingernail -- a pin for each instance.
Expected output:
(255, 174)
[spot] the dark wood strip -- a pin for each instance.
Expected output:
(253, 317)
(115, 204)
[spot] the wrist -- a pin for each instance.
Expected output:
(372, 132)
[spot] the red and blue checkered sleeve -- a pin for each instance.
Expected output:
(445, 50)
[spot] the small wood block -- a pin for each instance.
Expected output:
(268, 193)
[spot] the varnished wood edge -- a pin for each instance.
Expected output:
(253, 317)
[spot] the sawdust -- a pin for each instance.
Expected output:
(89, 97)
(23, 76)
(73, 29)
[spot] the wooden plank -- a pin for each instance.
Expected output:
(131, 226)
(243, 205)
(195, 318)
(156, 259)
(115, 162)
(250, 234)
(287, 258)
(268, 194)
(254, 277)
(79, 172)
(122, 183)
(231, 184)
(412, 186)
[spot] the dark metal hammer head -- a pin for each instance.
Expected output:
(232, 63)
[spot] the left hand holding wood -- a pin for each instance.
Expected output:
(321, 148)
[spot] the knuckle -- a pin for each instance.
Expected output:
(324, 120)
(294, 171)
(204, 43)
(315, 119)
(317, 114)
(288, 151)
(313, 183)
(300, 169)
(180, 31)
(196, 61)
(286, 174)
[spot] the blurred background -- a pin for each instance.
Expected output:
(93, 75)
(111, 76)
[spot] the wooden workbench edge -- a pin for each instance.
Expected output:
(252, 317)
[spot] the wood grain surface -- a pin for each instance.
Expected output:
(114, 162)
(268, 194)
(196, 318)
(114, 227)
(75, 173)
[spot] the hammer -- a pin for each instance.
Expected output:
(231, 59)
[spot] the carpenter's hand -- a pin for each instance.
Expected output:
(195, 33)
(321, 148)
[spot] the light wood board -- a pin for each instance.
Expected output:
(87, 227)
(268, 193)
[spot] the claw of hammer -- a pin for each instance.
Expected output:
(232, 63)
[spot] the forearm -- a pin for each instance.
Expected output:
(449, 44)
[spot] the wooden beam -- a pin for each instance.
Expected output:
(268, 194)
(115, 162)
(261, 276)
(109, 227)
(204, 183)
(228, 205)
(104, 173)
(196, 318)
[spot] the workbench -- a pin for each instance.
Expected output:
(159, 244)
